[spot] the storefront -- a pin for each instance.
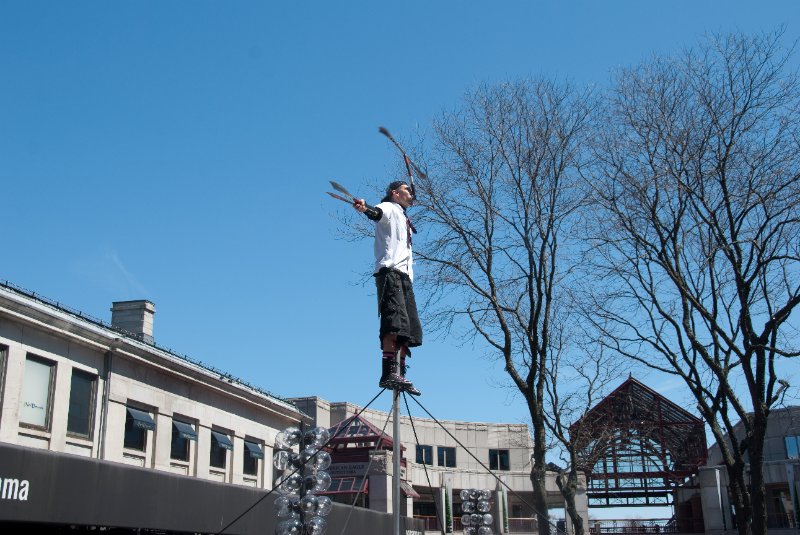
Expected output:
(49, 491)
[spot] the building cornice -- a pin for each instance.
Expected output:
(50, 316)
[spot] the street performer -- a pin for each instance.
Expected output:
(400, 328)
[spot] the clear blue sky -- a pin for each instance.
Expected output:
(179, 152)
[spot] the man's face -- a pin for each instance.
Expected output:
(402, 196)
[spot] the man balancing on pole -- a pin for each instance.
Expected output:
(400, 327)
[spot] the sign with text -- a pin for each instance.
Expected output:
(348, 469)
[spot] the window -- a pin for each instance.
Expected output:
(182, 434)
(424, 454)
(3, 355)
(220, 444)
(252, 453)
(793, 447)
(137, 424)
(37, 386)
(81, 403)
(498, 460)
(447, 456)
(425, 509)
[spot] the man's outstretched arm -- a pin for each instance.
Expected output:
(372, 212)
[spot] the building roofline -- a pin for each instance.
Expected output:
(356, 408)
(101, 328)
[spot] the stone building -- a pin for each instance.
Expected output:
(781, 477)
(102, 428)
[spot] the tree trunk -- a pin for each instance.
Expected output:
(740, 498)
(538, 479)
(756, 456)
(568, 485)
(539, 473)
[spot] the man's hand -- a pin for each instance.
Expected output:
(360, 205)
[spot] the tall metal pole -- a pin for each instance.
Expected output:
(396, 457)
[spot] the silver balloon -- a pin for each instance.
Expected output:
(464, 494)
(323, 460)
(465, 520)
(316, 525)
(470, 531)
(474, 494)
(468, 507)
(291, 485)
(289, 527)
(475, 519)
(280, 441)
(486, 495)
(308, 504)
(288, 438)
(307, 454)
(317, 437)
(484, 530)
(281, 459)
(323, 481)
(483, 506)
(309, 470)
(324, 506)
(487, 519)
(283, 506)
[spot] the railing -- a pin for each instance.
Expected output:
(637, 526)
(608, 527)
(781, 521)
(515, 525)
(522, 525)
(431, 522)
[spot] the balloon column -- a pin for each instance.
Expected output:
(300, 475)
(475, 508)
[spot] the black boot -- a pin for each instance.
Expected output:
(389, 376)
(409, 385)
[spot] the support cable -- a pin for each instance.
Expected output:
(534, 509)
(341, 428)
(366, 473)
(427, 477)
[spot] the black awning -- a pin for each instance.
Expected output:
(254, 450)
(222, 440)
(185, 430)
(141, 418)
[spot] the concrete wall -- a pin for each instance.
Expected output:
(782, 422)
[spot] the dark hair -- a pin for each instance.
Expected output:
(393, 186)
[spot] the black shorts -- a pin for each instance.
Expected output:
(397, 307)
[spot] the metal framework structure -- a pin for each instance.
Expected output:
(636, 446)
(355, 439)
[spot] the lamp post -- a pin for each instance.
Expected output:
(302, 474)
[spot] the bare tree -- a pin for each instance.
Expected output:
(697, 172)
(499, 210)
(576, 381)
